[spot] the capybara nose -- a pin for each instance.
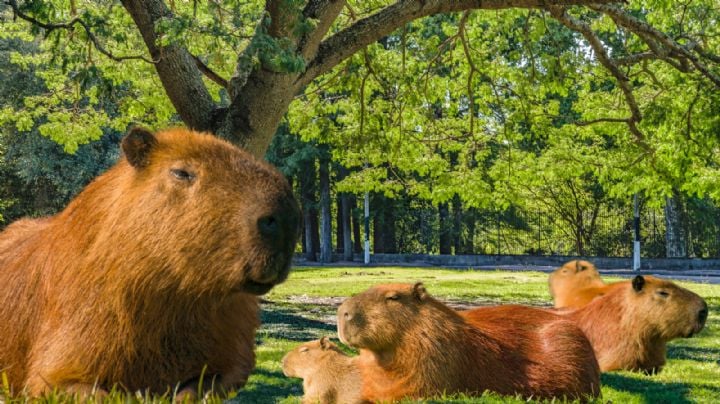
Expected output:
(702, 315)
(269, 226)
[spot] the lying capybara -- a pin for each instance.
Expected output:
(575, 284)
(149, 277)
(413, 346)
(629, 327)
(329, 375)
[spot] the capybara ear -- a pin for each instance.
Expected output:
(638, 282)
(136, 146)
(580, 267)
(419, 291)
(324, 342)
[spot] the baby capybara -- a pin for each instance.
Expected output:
(575, 284)
(411, 345)
(329, 375)
(629, 327)
(150, 276)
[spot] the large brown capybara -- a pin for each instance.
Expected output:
(575, 284)
(411, 345)
(630, 326)
(329, 375)
(150, 275)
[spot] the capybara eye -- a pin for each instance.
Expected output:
(392, 297)
(304, 349)
(663, 293)
(182, 175)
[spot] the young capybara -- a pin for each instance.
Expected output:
(411, 345)
(149, 277)
(329, 375)
(629, 327)
(575, 284)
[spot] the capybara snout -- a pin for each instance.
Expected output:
(702, 316)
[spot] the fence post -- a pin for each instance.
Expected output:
(636, 242)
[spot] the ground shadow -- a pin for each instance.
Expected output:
(292, 323)
(700, 354)
(276, 386)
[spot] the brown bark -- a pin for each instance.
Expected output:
(259, 95)
(445, 229)
(325, 216)
(176, 68)
(357, 237)
(675, 234)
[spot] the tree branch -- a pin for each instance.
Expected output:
(177, 69)
(560, 14)
(650, 35)
(324, 12)
(345, 43)
(209, 73)
(68, 25)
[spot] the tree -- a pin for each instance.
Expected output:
(293, 43)
(430, 99)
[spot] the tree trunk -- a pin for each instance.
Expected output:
(675, 235)
(325, 216)
(260, 91)
(468, 242)
(357, 237)
(385, 240)
(445, 229)
(339, 226)
(457, 233)
(307, 181)
(347, 234)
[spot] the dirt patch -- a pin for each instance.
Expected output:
(363, 273)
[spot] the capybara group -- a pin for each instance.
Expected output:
(575, 284)
(412, 345)
(329, 375)
(149, 278)
(629, 327)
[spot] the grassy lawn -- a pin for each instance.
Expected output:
(303, 308)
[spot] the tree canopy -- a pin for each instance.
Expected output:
(501, 103)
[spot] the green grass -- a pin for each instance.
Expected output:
(303, 308)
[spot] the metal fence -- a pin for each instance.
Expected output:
(610, 235)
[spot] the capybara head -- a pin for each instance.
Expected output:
(304, 360)
(573, 274)
(219, 210)
(377, 318)
(668, 310)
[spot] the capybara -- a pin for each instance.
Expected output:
(329, 375)
(630, 326)
(412, 345)
(575, 284)
(149, 277)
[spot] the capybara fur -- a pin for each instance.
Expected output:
(575, 284)
(151, 274)
(412, 345)
(629, 327)
(329, 375)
